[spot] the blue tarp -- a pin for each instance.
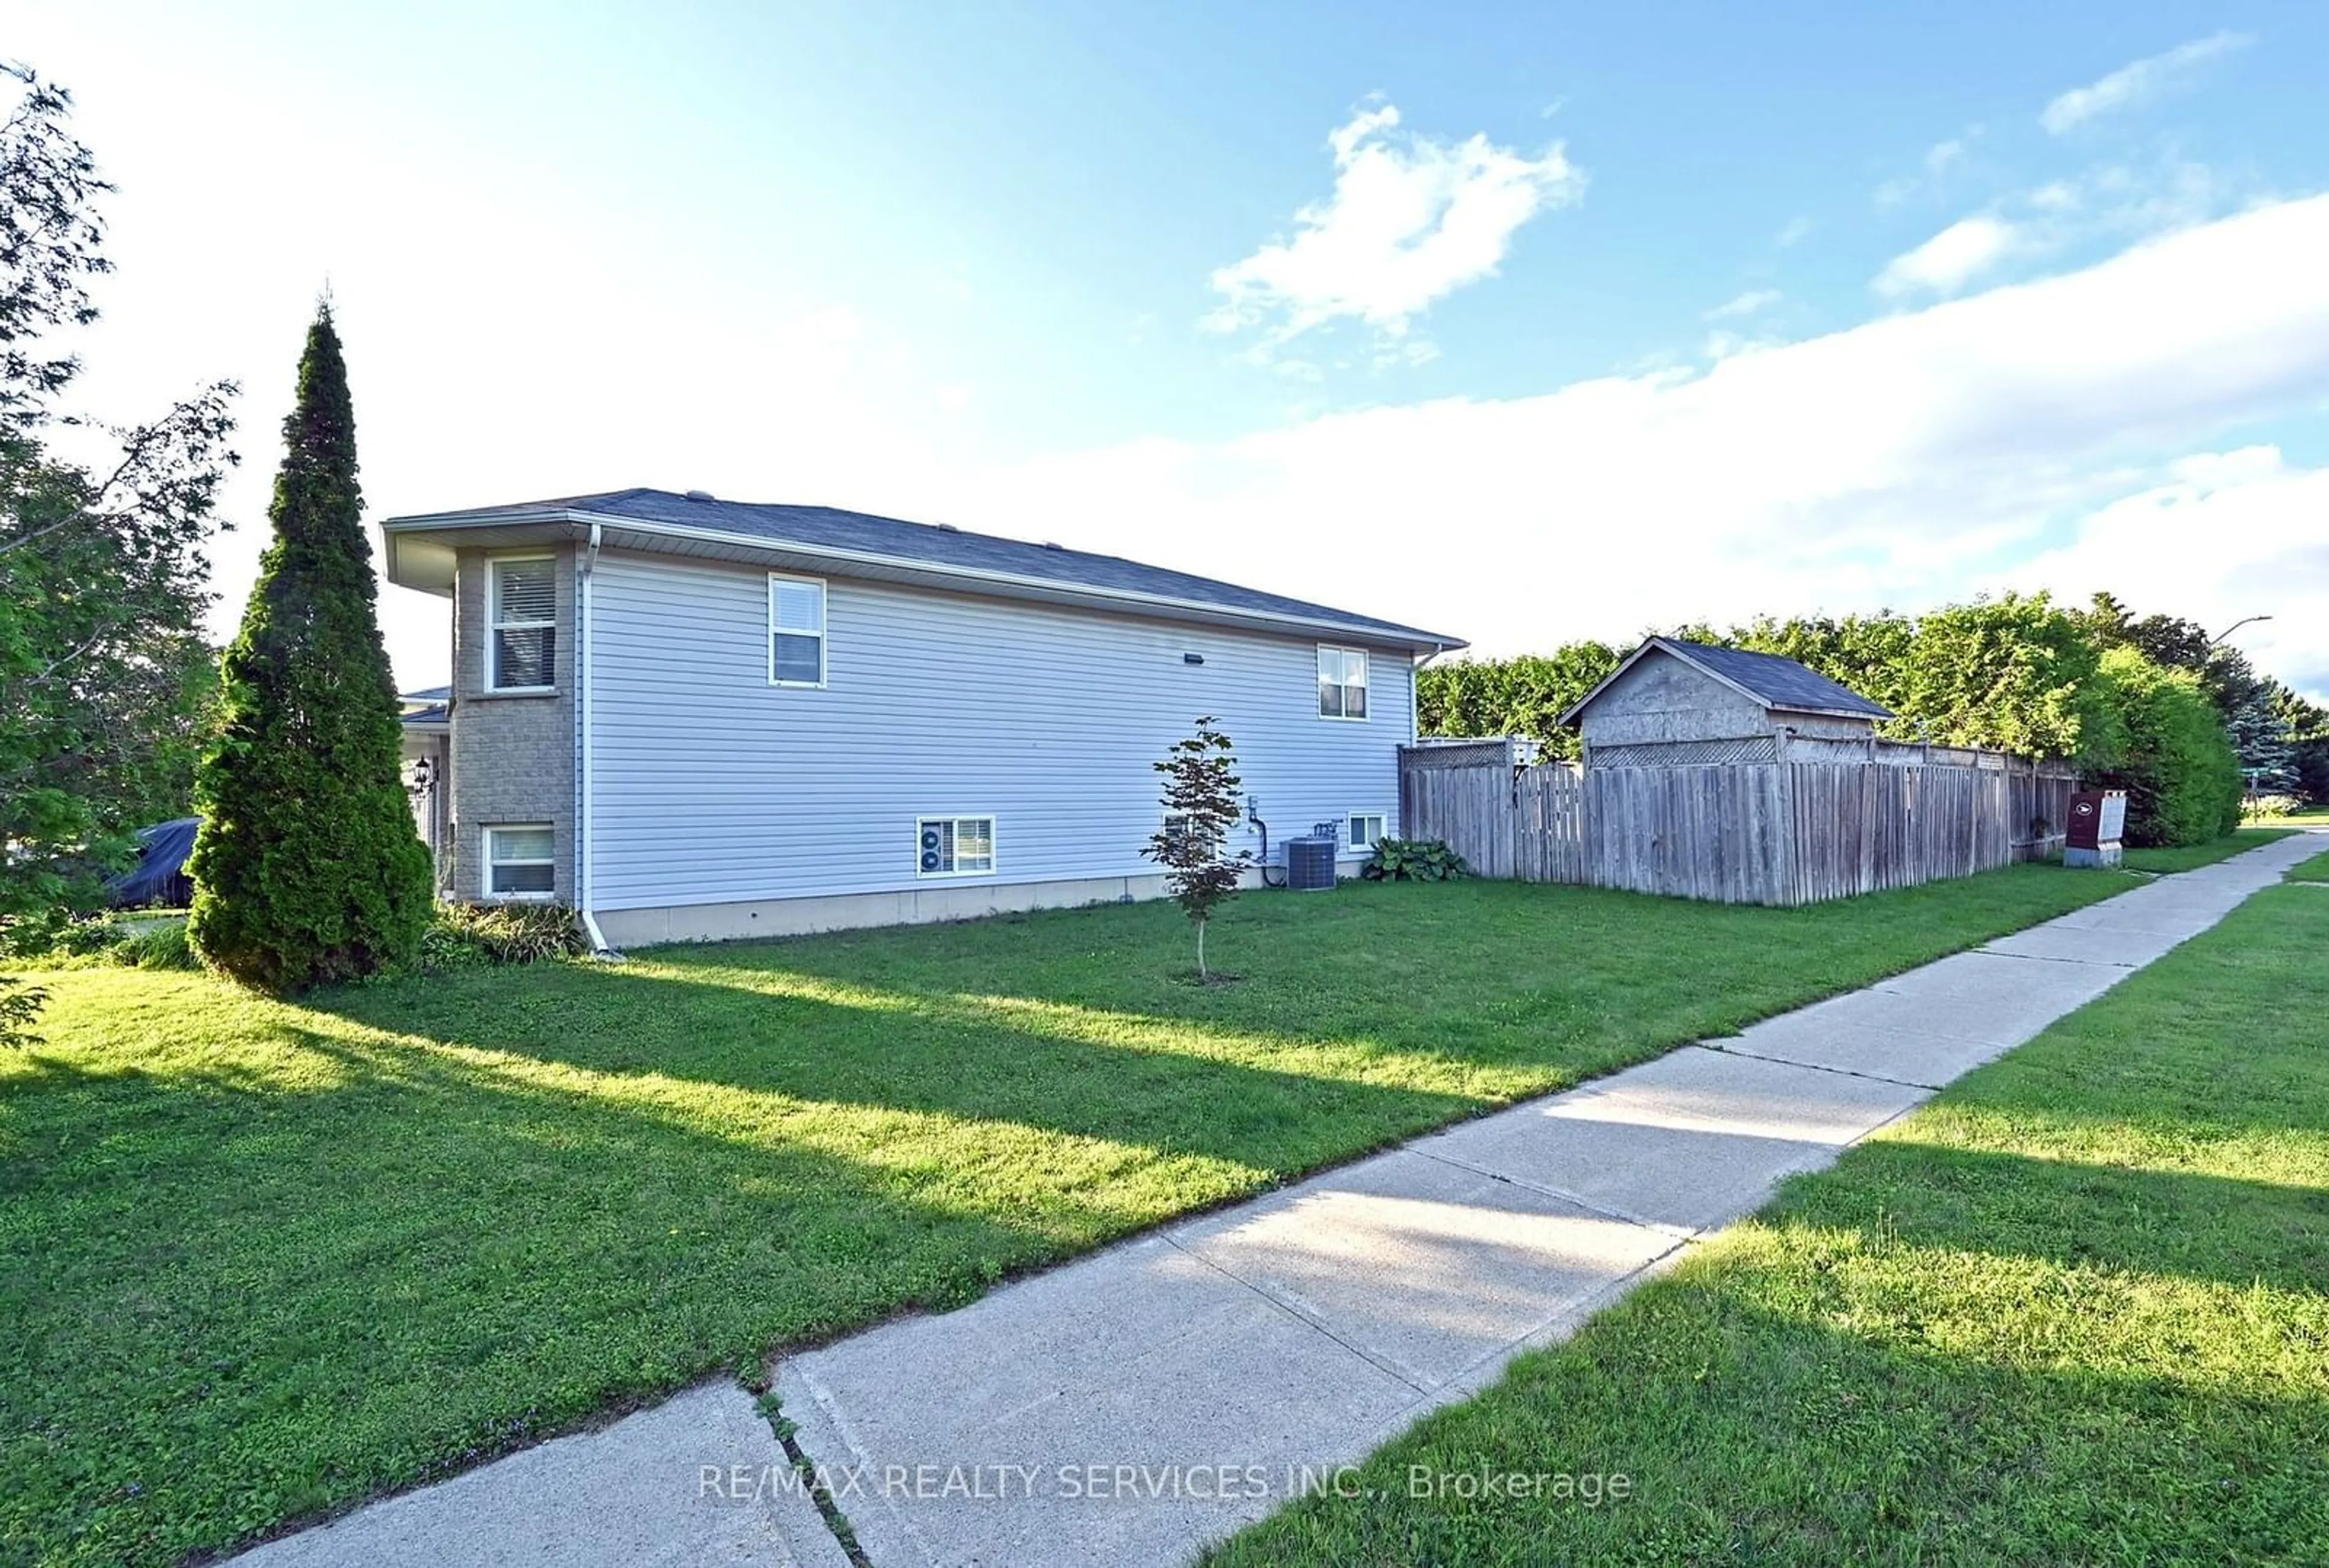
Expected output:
(159, 877)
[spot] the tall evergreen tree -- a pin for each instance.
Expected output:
(308, 867)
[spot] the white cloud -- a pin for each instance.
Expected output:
(2137, 83)
(1745, 304)
(2112, 202)
(1938, 160)
(1951, 258)
(1793, 234)
(1411, 219)
(2224, 535)
(1916, 459)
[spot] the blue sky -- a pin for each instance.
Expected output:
(1525, 323)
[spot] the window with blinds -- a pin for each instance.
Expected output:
(954, 845)
(521, 862)
(796, 631)
(523, 654)
(1341, 683)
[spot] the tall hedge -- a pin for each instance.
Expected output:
(1515, 696)
(307, 866)
(2016, 672)
(2181, 778)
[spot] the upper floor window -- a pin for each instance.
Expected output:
(796, 631)
(1341, 683)
(522, 654)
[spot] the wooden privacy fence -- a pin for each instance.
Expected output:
(1776, 833)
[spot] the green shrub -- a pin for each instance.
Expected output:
(135, 941)
(447, 948)
(465, 936)
(1413, 860)
(88, 938)
(163, 946)
(2269, 807)
(2181, 778)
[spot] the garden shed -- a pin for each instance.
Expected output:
(1684, 703)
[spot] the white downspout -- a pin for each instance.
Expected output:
(584, 856)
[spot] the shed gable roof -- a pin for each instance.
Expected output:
(1770, 680)
(942, 550)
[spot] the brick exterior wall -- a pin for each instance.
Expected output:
(513, 756)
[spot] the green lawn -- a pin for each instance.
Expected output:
(259, 1260)
(2077, 1310)
(2192, 856)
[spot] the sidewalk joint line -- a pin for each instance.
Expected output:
(1598, 1210)
(1846, 1072)
(786, 1431)
(2057, 958)
(1301, 1318)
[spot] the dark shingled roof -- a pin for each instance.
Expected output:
(1777, 681)
(827, 528)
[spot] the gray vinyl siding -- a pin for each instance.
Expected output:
(710, 784)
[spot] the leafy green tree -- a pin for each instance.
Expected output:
(2307, 725)
(2181, 778)
(2245, 699)
(1201, 808)
(2016, 673)
(308, 867)
(104, 676)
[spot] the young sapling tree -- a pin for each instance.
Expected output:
(1201, 807)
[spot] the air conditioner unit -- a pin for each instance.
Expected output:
(1310, 863)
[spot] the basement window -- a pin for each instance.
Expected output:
(522, 648)
(521, 862)
(954, 845)
(1366, 826)
(1341, 683)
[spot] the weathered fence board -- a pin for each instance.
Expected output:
(1777, 833)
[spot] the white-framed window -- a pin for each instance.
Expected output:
(954, 845)
(1342, 682)
(796, 630)
(522, 615)
(1365, 828)
(522, 861)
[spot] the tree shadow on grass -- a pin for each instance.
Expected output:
(1750, 1434)
(1270, 1105)
(227, 1302)
(1922, 1357)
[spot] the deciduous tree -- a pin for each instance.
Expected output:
(103, 672)
(1201, 808)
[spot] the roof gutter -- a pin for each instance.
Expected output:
(1401, 636)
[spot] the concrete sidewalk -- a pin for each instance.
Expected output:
(1134, 1405)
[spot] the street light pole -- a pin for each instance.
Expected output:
(2236, 626)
